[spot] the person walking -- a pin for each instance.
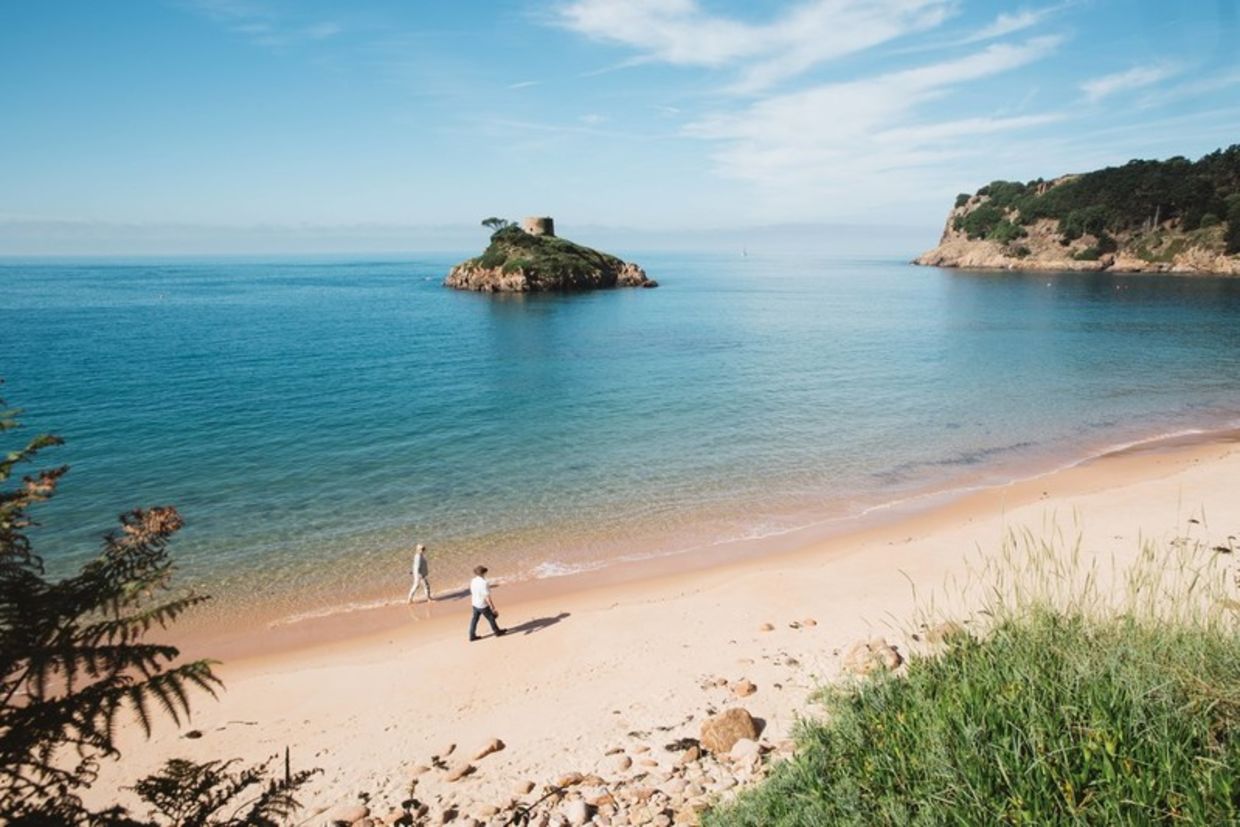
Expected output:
(420, 571)
(480, 596)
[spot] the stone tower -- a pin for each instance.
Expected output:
(538, 225)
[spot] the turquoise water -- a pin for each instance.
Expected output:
(313, 419)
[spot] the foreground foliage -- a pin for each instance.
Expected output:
(74, 661)
(1059, 713)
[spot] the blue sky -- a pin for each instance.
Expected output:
(189, 119)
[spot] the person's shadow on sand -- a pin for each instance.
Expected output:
(529, 627)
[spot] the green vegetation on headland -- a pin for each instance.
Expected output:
(519, 261)
(1063, 711)
(1144, 215)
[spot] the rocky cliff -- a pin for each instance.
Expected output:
(519, 262)
(1147, 216)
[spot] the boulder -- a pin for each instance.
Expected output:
(720, 732)
(867, 656)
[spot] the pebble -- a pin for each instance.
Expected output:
(745, 749)
(459, 771)
(743, 688)
(576, 812)
(348, 813)
(491, 746)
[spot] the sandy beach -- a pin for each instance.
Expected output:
(633, 658)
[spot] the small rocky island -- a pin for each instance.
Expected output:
(1173, 216)
(529, 258)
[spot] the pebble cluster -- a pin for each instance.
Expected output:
(635, 784)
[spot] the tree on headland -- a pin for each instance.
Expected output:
(496, 224)
(74, 659)
(1232, 237)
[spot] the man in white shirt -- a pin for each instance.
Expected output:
(420, 571)
(480, 596)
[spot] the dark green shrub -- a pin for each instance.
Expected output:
(1006, 232)
(981, 221)
(1084, 221)
(962, 199)
(1209, 220)
(1088, 254)
(1232, 236)
(1137, 195)
(1004, 194)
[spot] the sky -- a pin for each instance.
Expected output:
(218, 125)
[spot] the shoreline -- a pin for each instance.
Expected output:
(380, 612)
(637, 659)
(1067, 266)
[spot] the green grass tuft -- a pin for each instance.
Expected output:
(1087, 700)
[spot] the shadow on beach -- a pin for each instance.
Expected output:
(529, 627)
(457, 594)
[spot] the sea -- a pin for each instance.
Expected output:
(314, 418)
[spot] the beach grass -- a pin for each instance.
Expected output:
(1083, 699)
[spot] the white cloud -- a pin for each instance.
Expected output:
(856, 139)
(680, 32)
(1137, 77)
(1006, 24)
(524, 84)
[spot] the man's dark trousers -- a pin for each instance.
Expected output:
(489, 615)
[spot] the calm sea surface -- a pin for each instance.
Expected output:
(313, 419)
